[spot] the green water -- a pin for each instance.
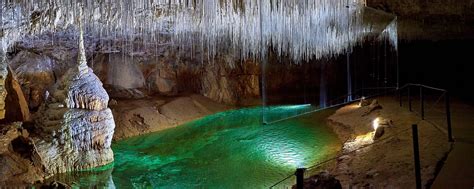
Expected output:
(226, 150)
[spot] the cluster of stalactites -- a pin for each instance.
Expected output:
(300, 29)
(391, 34)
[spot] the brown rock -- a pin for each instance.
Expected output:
(379, 133)
(372, 107)
(15, 153)
(35, 75)
(16, 107)
(364, 102)
(123, 93)
(139, 116)
(231, 85)
(163, 81)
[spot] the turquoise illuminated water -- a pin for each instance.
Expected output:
(225, 150)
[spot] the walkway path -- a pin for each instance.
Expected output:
(458, 170)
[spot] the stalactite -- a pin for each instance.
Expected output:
(300, 29)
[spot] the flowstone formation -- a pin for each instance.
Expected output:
(75, 123)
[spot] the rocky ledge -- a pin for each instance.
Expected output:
(140, 116)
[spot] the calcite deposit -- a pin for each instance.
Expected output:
(76, 126)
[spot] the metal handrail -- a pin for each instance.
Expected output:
(421, 85)
(445, 92)
(335, 105)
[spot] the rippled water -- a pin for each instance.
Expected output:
(226, 150)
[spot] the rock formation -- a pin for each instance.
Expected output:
(35, 73)
(15, 157)
(13, 106)
(75, 124)
(231, 85)
(16, 106)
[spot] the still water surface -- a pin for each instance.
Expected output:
(226, 150)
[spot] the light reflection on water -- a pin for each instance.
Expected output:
(226, 150)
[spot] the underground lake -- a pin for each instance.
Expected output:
(229, 149)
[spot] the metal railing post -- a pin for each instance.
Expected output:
(416, 153)
(409, 99)
(400, 96)
(448, 118)
(300, 178)
(422, 103)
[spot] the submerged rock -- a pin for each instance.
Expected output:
(136, 117)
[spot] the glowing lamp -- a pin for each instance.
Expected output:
(375, 123)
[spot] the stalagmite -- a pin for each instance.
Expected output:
(75, 123)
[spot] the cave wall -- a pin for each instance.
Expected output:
(132, 74)
(435, 42)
